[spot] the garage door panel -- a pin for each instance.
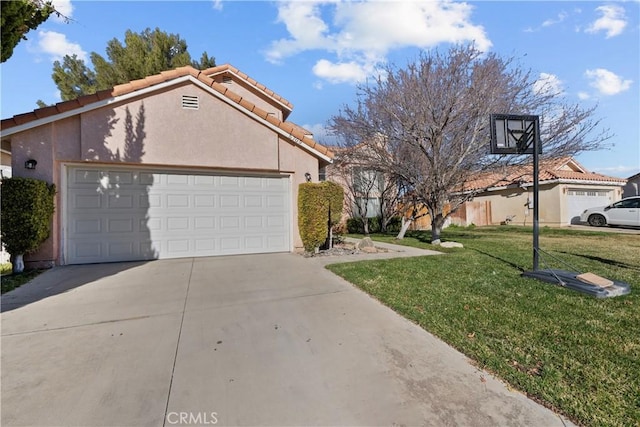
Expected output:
(579, 199)
(134, 215)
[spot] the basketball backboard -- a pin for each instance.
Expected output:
(514, 134)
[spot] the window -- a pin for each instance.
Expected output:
(367, 182)
(322, 174)
(371, 204)
(627, 204)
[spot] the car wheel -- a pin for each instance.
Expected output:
(597, 221)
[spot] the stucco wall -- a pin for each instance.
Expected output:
(160, 131)
(554, 206)
(157, 131)
(294, 159)
(513, 203)
(38, 144)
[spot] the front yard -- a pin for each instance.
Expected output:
(575, 354)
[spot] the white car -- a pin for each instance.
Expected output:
(623, 212)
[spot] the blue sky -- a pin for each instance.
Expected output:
(315, 53)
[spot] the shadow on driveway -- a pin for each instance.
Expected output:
(59, 280)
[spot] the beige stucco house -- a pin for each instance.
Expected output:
(185, 163)
(566, 189)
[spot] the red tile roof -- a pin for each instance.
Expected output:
(295, 132)
(227, 68)
(563, 169)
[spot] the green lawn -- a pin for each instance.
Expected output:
(9, 282)
(576, 354)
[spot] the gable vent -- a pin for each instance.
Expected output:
(190, 102)
(227, 79)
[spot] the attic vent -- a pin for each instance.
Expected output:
(227, 79)
(190, 102)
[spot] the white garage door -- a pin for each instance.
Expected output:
(579, 199)
(134, 214)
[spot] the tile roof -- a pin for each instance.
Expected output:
(295, 132)
(565, 169)
(228, 68)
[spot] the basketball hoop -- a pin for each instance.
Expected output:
(518, 135)
(514, 134)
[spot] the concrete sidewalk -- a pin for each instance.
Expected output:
(246, 340)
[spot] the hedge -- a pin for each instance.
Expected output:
(319, 208)
(27, 206)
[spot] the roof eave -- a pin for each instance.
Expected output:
(148, 90)
(227, 69)
(90, 107)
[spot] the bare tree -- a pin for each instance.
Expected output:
(428, 123)
(361, 183)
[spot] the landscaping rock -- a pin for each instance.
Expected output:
(365, 243)
(451, 245)
(370, 249)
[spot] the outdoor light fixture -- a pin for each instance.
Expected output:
(307, 176)
(30, 164)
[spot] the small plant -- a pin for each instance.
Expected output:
(27, 206)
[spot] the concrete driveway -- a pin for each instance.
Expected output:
(243, 340)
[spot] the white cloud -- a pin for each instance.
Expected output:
(343, 72)
(548, 84)
(612, 21)
(65, 8)
(583, 96)
(56, 45)
(607, 82)
(560, 18)
(217, 4)
(361, 34)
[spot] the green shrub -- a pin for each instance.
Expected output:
(394, 225)
(319, 207)
(356, 225)
(27, 205)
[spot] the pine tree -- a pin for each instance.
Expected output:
(141, 55)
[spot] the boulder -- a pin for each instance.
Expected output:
(365, 243)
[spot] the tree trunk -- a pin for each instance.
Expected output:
(405, 226)
(18, 264)
(365, 224)
(436, 228)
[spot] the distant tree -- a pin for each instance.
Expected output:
(205, 62)
(428, 124)
(18, 18)
(142, 54)
(73, 78)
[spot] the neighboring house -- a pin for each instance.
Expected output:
(367, 192)
(566, 189)
(185, 163)
(632, 187)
